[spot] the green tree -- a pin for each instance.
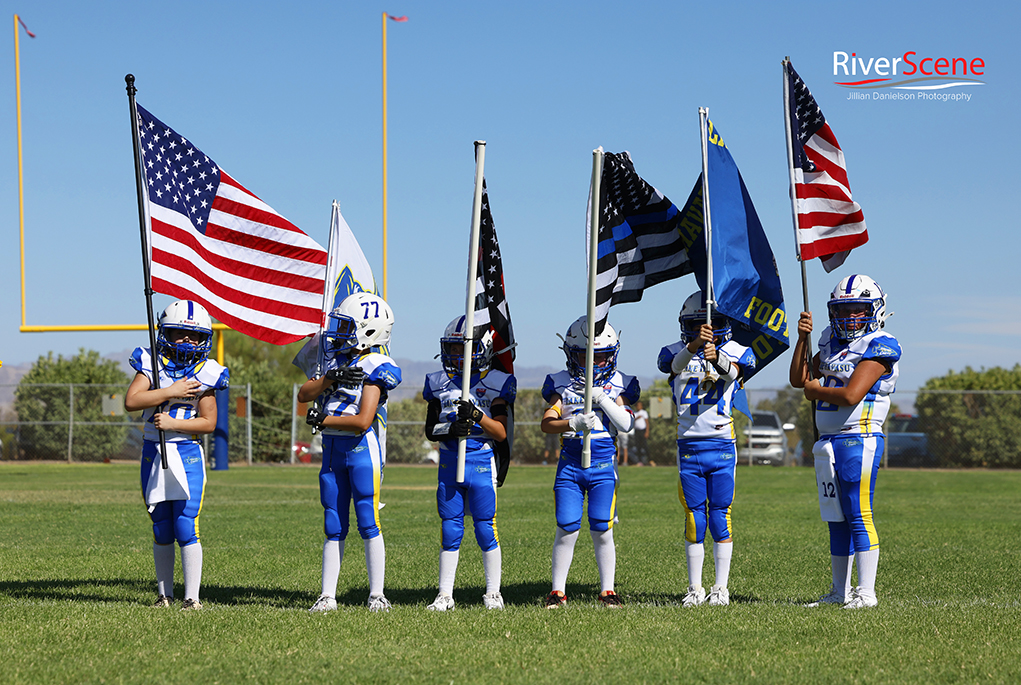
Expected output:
(272, 375)
(970, 429)
(43, 402)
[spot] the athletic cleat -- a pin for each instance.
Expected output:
(719, 596)
(695, 597)
(610, 600)
(323, 604)
(191, 605)
(831, 597)
(163, 601)
(556, 599)
(861, 600)
(493, 600)
(441, 603)
(378, 603)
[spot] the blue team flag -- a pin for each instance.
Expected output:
(746, 284)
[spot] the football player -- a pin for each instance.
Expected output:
(348, 395)
(853, 375)
(184, 408)
(482, 419)
(612, 394)
(705, 370)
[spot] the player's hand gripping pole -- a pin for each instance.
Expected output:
(593, 254)
(146, 272)
(703, 120)
(469, 305)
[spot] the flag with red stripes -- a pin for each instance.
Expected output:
(214, 242)
(830, 223)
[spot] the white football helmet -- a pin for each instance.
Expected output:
(692, 317)
(190, 318)
(605, 348)
(362, 321)
(857, 307)
(452, 350)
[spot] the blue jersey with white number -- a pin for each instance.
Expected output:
(837, 361)
(484, 391)
(209, 373)
(705, 412)
(379, 370)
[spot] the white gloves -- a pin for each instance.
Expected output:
(579, 422)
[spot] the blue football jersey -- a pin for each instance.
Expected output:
(837, 361)
(379, 369)
(572, 397)
(209, 373)
(495, 385)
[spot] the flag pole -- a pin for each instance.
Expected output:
(327, 291)
(593, 255)
(794, 215)
(703, 119)
(469, 305)
(142, 224)
(384, 161)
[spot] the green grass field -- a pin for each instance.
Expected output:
(76, 582)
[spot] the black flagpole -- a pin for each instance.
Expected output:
(139, 186)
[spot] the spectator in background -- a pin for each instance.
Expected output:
(640, 445)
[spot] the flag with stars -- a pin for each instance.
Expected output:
(491, 310)
(640, 238)
(830, 223)
(214, 242)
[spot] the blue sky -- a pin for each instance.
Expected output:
(289, 102)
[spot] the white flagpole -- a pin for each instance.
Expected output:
(469, 307)
(703, 118)
(593, 253)
(327, 289)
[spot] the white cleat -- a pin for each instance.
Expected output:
(834, 596)
(323, 604)
(861, 600)
(494, 600)
(441, 603)
(378, 603)
(695, 597)
(719, 596)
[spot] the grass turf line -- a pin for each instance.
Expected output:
(76, 580)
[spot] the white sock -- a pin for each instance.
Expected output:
(163, 555)
(492, 563)
(191, 564)
(868, 565)
(722, 553)
(606, 557)
(563, 555)
(448, 570)
(695, 553)
(841, 574)
(333, 557)
(375, 564)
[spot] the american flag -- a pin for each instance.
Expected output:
(639, 241)
(491, 308)
(215, 242)
(830, 223)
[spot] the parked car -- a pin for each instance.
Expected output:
(765, 440)
(905, 444)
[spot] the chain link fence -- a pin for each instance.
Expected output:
(87, 423)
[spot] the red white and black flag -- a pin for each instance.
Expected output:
(830, 223)
(213, 241)
(491, 308)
